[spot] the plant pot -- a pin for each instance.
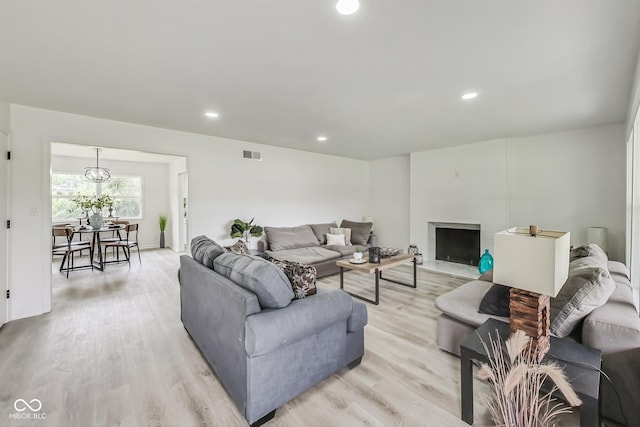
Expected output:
(96, 221)
(162, 239)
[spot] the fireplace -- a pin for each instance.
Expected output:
(455, 242)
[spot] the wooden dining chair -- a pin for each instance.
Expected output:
(115, 236)
(69, 249)
(130, 241)
(63, 243)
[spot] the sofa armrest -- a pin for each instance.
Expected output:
(359, 318)
(612, 328)
(272, 329)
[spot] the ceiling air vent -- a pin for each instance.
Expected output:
(254, 155)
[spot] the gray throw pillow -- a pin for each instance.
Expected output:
(588, 287)
(256, 275)
(205, 251)
(282, 238)
(321, 230)
(360, 231)
(588, 250)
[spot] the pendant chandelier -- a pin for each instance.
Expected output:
(97, 174)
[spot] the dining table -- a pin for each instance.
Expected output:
(98, 259)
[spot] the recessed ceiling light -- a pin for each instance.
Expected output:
(322, 138)
(469, 95)
(347, 7)
(212, 114)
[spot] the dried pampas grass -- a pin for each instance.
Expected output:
(516, 382)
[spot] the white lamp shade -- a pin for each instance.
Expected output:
(597, 235)
(535, 264)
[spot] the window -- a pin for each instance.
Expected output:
(125, 190)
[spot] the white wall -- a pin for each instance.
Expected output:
(288, 187)
(176, 167)
(570, 181)
(5, 117)
(565, 181)
(155, 197)
(389, 181)
(464, 184)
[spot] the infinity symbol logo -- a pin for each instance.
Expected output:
(37, 405)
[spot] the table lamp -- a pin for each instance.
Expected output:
(535, 264)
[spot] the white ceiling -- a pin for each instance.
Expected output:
(382, 82)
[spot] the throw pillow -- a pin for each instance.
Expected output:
(321, 230)
(360, 231)
(336, 239)
(205, 251)
(283, 238)
(588, 287)
(239, 247)
(256, 275)
(588, 250)
(302, 277)
(496, 301)
(341, 230)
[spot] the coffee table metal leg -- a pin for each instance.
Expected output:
(466, 387)
(376, 301)
(402, 283)
(377, 273)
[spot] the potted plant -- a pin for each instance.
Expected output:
(357, 255)
(244, 230)
(162, 221)
(84, 203)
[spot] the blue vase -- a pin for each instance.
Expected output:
(486, 262)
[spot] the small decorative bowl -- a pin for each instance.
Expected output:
(389, 252)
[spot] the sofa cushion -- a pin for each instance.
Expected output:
(321, 230)
(305, 256)
(496, 301)
(336, 239)
(205, 251)
(283, 238)
(239, 247)
(302, 277)
(590, 250)
(462, 303)
(360, 231)
(257, 275)
(346, 250)
(588, 287)
(340, 230)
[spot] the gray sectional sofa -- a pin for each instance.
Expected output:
(613, 327)
(264, 347)
(307, 244)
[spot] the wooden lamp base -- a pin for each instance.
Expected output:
(529, 312)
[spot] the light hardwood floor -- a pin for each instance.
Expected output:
(113, 352)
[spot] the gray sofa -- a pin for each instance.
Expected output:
(614, 328)
(265, 355)
(307, 244)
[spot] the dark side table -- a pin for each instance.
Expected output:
(581, 365)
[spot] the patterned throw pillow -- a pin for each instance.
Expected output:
(302, 277)
(239, 247)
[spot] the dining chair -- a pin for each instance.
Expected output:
(115, 236)
(69, 249)
(130, 241)
(55, 245)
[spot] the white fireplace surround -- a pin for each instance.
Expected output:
(431, 239)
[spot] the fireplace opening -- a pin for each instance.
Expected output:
(458, 245)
